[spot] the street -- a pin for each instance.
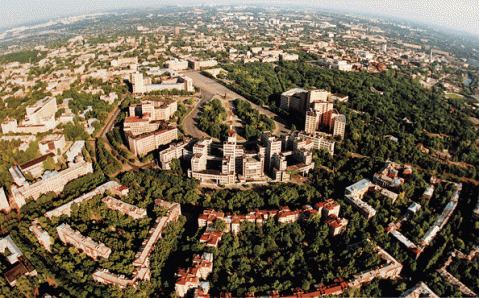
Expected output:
(213, 87)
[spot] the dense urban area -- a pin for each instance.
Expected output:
(238, 152)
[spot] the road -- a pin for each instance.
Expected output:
(213, 87)
(189, 122)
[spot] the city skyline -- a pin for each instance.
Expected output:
(462, 16)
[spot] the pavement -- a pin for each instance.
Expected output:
(189, 122)
(210, 86)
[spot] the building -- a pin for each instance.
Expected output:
(50, 182)
(157, 109)
(75, 151)
(124, 62)
(91, 248)
(4, 204)
(328, 208)
(317, 108)
(10, 249)
(199, 64)
(418, 291)
(190, 278)
(21, 266)
(211, 238)
(145, 143)
(176, 64)
(336, 225)
(39, 118)
(42, 236)
(35, 167)
(339, 125)
(354, 194)
(52, 144)
(143, 85)
(124, 208)
(142, 258)
(288, 57)
(112, 187)
(174, 151)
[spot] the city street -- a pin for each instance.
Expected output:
(211, 86)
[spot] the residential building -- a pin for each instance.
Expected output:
(42, 236)
(52, 144)
(145, 143)
(418, 291)
(50, 182)
(176, 64)
(91, 248)
(143, 85)
(157, 109)
(124, 208)
(39, 118)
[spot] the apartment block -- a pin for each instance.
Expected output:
(176, 64)
(53, 182)
(39, 118)
(174, 151)
(42, 236)
(124, 208)
(91, 248)
(143, 85)
(145, 143)
(157, 109)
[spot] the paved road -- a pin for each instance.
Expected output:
(213, 87)
(189, 122)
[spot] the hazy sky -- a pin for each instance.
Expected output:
(457, 14)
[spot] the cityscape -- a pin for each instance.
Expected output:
(238, 150)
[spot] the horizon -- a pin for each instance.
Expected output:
(462, 18)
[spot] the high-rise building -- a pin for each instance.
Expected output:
(339, 125)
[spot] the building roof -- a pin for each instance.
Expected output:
(36, 161)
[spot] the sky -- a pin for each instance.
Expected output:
(462, 15)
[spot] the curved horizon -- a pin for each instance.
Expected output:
(460, 16)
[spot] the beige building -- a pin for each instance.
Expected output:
(42, 236)
(124, 208)
(158, 110)
(91, 248)
(54, 182)
(39, 118)
(199, 64)
(174, 151)
(176, 64)
(52, 143)
(148, 142)
(144, 85)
